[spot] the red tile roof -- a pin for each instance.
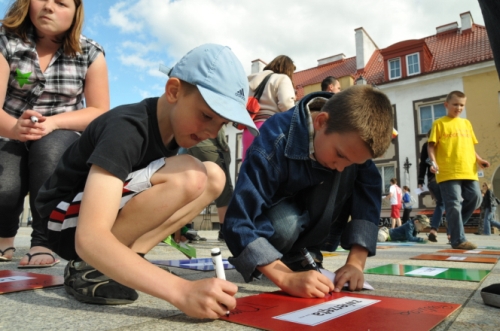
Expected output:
(450, 49)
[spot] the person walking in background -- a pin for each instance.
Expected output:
(407, 204)
(278, 95)
(217, 151)
(432, 185)
(395, 195)
(54, 82)
(489, 207)
(452, 153)
(330, 84)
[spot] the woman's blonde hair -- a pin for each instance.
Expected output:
(282, 64)
(18, 22)
(488, 186)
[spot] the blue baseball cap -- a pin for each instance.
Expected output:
(220, 78)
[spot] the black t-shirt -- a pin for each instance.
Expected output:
(122, 140)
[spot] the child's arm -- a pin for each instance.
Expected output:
(352, 271)
(97, 245)
(309, 284)
(482, 162)
(96, 100)
(409, 233)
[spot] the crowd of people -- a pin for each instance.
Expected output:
(91, 174)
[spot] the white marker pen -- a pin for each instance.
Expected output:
(34, 119)
(219, 266)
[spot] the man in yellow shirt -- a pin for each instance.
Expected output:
(451, 149)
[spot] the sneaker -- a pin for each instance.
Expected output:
(220, 237)
(89, 285)
(192, 235)
(467, 245)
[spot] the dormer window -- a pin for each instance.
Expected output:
(395, 68)
(413, 64)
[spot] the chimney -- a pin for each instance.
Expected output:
(467, 21)
(330, 59)
(257, 66)
(364, 48)
(447, 27)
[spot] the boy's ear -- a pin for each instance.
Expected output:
(172, 89)
(320, 120)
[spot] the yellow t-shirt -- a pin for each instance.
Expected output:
(454, 149)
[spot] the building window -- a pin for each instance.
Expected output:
(394, 68)
(413, 63)
(387, 172)
(429, 114)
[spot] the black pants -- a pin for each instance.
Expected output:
(24, 167)
(406, 215)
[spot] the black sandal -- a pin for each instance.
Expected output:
(32, 266)
(2, 257)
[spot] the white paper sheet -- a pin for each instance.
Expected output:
(456, 258)
(426, 271)
(326, 311)
(472, 252)
(421, 190)
(14, 279)
(331, 275)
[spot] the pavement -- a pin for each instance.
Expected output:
(53, 309)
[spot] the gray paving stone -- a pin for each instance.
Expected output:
(53, 309)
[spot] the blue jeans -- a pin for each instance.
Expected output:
(437, 216)
(458, 213)
(489, 220)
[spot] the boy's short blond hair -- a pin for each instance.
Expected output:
(362, 109)
(458, 94)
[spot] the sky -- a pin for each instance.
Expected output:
(138, 35)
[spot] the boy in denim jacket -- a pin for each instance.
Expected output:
(309, 171)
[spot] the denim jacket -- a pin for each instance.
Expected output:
(404, 233)
(278, 166)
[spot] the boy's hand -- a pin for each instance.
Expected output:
(208, 298)
(483, 164)
(306, 284)
(349, 274)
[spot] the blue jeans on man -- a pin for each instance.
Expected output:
(437, 216)
(458, 212)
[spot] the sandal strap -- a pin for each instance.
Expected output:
(7, 249)
(40, 253)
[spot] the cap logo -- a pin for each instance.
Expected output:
(240, 94)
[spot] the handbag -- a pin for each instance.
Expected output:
(253, 105)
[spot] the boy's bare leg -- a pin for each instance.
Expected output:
(102, 238)
(162, 209)
(214, 187)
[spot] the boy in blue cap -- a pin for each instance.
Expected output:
(120, 189)
(307, 173)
